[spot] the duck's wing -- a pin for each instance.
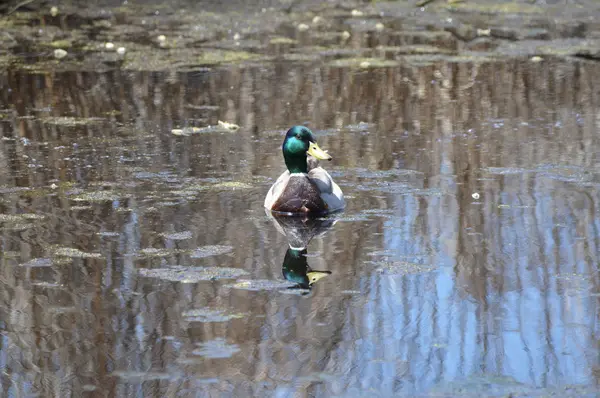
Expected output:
(276, 189)
(330, 191)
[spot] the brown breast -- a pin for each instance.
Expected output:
(301, 195)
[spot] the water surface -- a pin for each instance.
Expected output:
(139, 263)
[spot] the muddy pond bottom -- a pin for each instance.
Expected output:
(138, 262)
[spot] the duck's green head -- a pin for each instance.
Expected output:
(298, 144)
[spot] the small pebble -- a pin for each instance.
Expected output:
(109, 46)
(475, 195)
(121, 50)
(54, 11)
(303, 27)
(59, 53)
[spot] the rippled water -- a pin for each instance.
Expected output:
(139, 263)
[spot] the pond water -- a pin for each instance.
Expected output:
(140, 263)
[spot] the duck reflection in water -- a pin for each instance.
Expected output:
(299, 232)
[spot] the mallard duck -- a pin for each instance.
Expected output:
(304, 187)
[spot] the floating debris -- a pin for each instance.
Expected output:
(211, 250)
(121, 50)
(357, 13)
(303, 27)
(59, 53)
(74, 253)
(48, 285)
(108, 234)
(210, 315)
(261, 284)
(109, 46)
(183, 274)
(221, 127)
(227, 126)
(475, 195)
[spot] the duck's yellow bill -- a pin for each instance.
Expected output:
(314, 276)
(317, 153)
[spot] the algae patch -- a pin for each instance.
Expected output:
(19, 218)
(217, 348)
(401, 267)
(65, 121)
(183, 274)
(184, 235)
(152, 252)
(98, 196)
(74, 253)
(210, 315)
(38, 262)
(261, 284)
(363, 63)
(210, 250)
